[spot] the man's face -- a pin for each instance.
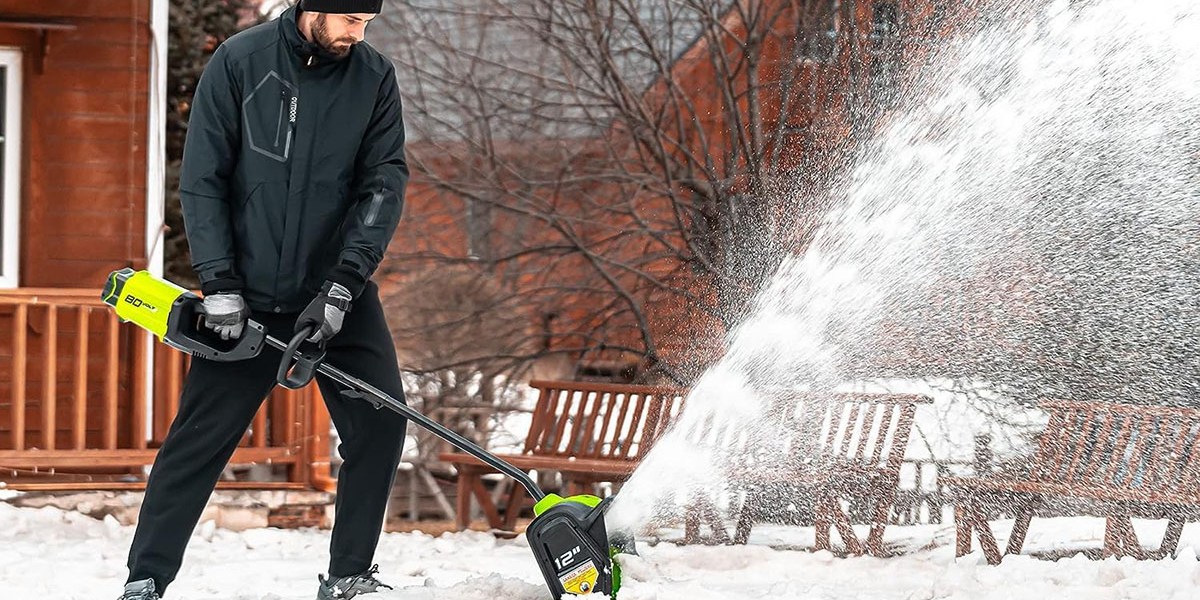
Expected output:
(336, 33)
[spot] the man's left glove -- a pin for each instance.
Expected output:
(225, 313)
(326, 312)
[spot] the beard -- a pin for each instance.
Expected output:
(338, 47)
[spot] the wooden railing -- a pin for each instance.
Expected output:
(75, 411)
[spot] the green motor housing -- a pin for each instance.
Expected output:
(140, 298)
(570, 543)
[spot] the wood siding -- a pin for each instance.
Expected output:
(85, 125)
(84, 116)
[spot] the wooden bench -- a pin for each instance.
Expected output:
(587, 432)
(1110, 460)
(833, 448)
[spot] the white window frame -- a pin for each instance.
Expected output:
(9, 266)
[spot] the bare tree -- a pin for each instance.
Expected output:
(631, 170)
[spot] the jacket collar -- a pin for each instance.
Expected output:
(309, 53)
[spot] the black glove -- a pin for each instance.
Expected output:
(225, 313)
(325, 313)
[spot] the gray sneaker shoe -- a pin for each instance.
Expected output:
(142, 589)
(350, 586)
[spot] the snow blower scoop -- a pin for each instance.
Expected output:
(567, 535)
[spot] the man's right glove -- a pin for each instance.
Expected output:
(326, 312)
(225, 313)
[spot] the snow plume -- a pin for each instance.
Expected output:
(1028, 217)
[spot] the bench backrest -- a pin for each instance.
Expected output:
(800, 430)
(599, 420)
(862, 430)
(1119, 446)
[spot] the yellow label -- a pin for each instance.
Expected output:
(581, 580)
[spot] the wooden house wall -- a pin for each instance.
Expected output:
(83, 195)
(85, 139)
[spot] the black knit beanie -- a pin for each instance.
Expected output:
(342, 6)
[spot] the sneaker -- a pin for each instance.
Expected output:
(344, 588)
(143, 589)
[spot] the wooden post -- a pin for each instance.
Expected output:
(987, 540)
(141, 349)
(50, 379)
(167, 406)
(1170, 539)
(962, 528)
(79, 428)
(259, 433)
(745, 517)
(20, 325)
(1016, 539)
(113, 358)
(462, 509)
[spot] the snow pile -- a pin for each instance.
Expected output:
(49, 553)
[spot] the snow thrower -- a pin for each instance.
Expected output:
(567, 535)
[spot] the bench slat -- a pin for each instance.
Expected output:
(636, 418)
(584, 419)
(885, 425)
(1116, 454)
(1103, 494)
(541, 416)
(549, 419)
(567, 399)
(1078, 456)
(870, 432)
(900, 438)
(1045, 445)
(620, 433)
(847, 432)
(831, 419)
(1178, 466)
(1101, 450)
(1133, 475)
(654, 420)
(1168, 469)
(551, 463)
(603, 444)
(1190, 468)
(1164, 439)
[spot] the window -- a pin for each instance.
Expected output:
(885, 25)
(886, 52)
(10, 166)
(819, 30)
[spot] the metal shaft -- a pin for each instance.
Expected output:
(380, 398)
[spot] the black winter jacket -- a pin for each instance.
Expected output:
(293, 168)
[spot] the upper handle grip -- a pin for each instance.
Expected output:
(298, 374)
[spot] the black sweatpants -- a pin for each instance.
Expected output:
(218, 402)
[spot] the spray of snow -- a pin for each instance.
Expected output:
(1029, 217)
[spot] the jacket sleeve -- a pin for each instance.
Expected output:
(210, 153)
(381, 175)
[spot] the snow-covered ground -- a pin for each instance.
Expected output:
(52, 554)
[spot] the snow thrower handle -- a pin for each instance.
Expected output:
(170, 312)
(294, 376)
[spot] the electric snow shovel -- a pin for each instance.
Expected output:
(567, 535)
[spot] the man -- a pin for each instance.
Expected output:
(292, 185)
